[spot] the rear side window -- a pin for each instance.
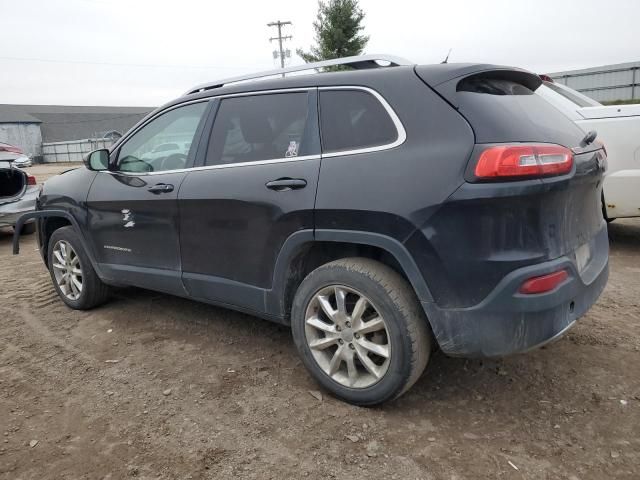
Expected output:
(260, 127)
(353, 120)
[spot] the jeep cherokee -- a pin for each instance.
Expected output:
(380, 212)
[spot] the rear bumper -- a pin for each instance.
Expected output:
(508, 322)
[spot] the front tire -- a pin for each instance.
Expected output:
(360, 330)
(71, 271)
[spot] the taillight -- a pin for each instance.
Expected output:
(523, 161)
(31, 180)
(544, 283)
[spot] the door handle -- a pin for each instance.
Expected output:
(285, 184)
(161, 188)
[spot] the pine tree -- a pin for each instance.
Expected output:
(338, 26)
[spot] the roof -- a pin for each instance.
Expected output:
(64, 122)
(16, 116)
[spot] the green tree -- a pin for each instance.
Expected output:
(338, 31)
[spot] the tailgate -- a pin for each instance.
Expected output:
(492, 226)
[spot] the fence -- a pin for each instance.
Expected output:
(73, 151)
(604, 84)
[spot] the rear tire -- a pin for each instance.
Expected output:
(71, 271)
(374, 342)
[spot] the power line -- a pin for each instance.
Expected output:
(83, 62)
(280, 38)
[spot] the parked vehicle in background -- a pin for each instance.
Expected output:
(618, 127)
(9, 152)
(18, 193)
(378, 212)
(167, 155)
(15, 155)
(22, 161)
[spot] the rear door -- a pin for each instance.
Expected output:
(133, 210)
(256, 187)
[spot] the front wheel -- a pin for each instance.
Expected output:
(72, 274)
(360, 330)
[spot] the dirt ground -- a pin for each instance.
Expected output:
(151, 386)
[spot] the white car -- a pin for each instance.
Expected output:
(22, 161)
(618, 127)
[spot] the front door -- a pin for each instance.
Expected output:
(133, 209)
(257, 187)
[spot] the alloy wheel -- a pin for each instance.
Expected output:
(67, 270)
(347, 336)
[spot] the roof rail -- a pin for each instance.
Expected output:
(357, 62)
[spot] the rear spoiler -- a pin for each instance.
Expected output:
(444, 78)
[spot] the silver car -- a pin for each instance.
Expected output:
(18, 193)
(22, 161)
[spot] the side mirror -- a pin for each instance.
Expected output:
(97, 160)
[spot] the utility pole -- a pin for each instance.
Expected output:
(280, 38)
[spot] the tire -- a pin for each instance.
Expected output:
(406, 338)
(92, 292)
(28, 228)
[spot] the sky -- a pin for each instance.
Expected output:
(147, 52)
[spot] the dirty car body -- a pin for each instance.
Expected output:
(482, 196)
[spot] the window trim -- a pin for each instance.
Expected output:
(402, 134)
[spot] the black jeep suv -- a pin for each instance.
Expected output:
(380, 212)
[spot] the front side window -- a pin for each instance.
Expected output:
(259, 127)
(164, 143)
(353, 120)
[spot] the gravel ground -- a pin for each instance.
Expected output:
(151, 386)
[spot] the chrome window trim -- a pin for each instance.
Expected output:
(402, 134)
(218, 167)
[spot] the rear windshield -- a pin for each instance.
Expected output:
(493, 86)
(504, 110)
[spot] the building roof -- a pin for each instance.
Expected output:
(16, 116)
(63, 122)
(601, 68)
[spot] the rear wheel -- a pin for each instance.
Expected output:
(73, 276)
(360, 330)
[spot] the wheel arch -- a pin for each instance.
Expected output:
(48, 222)
(306, 250)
